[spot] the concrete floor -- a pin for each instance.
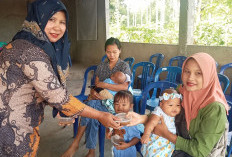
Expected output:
(55, 139)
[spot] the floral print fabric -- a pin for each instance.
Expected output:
(27, 84)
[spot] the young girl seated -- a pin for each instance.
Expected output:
(154, 145)
(123, 103)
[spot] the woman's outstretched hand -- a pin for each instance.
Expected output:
(136, 118)
(108, 120)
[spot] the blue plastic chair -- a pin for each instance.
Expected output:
(104, 58)
(82, 96)
(179, 59)
(153, 98)
(130, 61)
(148, 69)
(159, 60)
(172, 73)
(228, 96)
(225, 67)
(224, 81)
(158, 57)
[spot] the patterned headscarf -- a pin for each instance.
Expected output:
(40, 11)
(211, 91)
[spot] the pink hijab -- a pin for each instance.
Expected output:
(193, 101)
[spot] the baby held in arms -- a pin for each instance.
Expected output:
(170, 106)
(117, 77)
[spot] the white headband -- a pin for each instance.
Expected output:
(167, 96)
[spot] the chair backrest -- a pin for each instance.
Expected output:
(223, 69)
(148, 69)
(92, 68)
(103, 58)
(161, 85)
(179, 59)
(224, 81)
(130, 61)
(172, 73)
(159, 60)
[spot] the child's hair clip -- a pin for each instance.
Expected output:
(167, 96)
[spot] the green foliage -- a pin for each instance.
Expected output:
(145, 35)
(142, 23)
(212, 25)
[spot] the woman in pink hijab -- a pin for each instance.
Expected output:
(205, 109)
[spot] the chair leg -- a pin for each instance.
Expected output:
(101, 140)
(75, 127)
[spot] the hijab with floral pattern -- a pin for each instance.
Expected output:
(39, 12)
(211, 91)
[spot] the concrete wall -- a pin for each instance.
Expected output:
(89, 52)
(13, 12)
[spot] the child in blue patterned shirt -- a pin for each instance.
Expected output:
(123, 103)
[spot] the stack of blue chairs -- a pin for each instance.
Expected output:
(158, 57)
(228, 96)
(229, 101)
(148, 69)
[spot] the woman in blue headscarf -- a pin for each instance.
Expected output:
(33, 71)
